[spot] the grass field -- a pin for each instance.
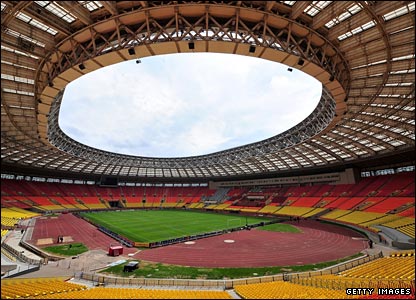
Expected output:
(67, 250)
(158, 225)
(279, 227)
(158, 270)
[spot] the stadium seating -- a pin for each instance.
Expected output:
(409, 212)
(8, 222)
(384, 218)
(223, 205)
(322, 191)
(286, 290)
(41, 200)
(395, 267)
(394, 271)
(17, 213)
(43, 190)
(359, 204)
(306, 201)
(168, 204)
(249, 209)
(131, 293)
(358, 217)
(269, 209)
(133, 202)
(48, 288)
(370, 219)
(36, 288)
(405, 225)
(313, 212)
(298, 191)
(404, 253)
(195, 205)
(390, 204)
(14, 201)
(409, 190)
(92, 202)
(371, 185)
(366, 204)
(346, 196)
(293, 211)
(315, 190)
(325, 201)
(335, 214)
(340, 190)
(336, 282)
(396, 184)
(350, 203)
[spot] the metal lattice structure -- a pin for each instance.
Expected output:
(363, 52)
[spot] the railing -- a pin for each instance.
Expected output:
(99, 279)
(21, 255)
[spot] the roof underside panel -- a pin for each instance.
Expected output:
(375, 40)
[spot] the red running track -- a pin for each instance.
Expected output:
(318, 242)
(257, 248)
(78, 229)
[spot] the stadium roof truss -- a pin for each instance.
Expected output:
(361, 51)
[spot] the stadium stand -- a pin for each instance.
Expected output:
(17, 213)
(129, 293)
(306, 201)
(351, 161)
(293, 211)
(48, 288)
(408, 212)
(405, 225)
(395, 271)
(393, 267)
(390, 204)
(269, 209)
(286, 290)
(36, 288)
(380, 211)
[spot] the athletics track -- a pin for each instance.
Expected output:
(318, 242)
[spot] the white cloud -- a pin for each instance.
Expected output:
(205, 136)
(181, 105)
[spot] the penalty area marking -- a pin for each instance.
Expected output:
(229, 241)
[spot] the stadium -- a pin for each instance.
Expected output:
(325, 209)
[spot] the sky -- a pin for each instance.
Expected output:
(180, 105)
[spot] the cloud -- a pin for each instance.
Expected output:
(205, 136)
(182, 105)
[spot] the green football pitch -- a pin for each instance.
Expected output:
(158, 225)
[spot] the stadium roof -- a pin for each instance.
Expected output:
(362, 52)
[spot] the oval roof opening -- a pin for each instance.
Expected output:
(180, 105)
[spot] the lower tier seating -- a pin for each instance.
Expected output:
(394, 272)
(286, 290)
